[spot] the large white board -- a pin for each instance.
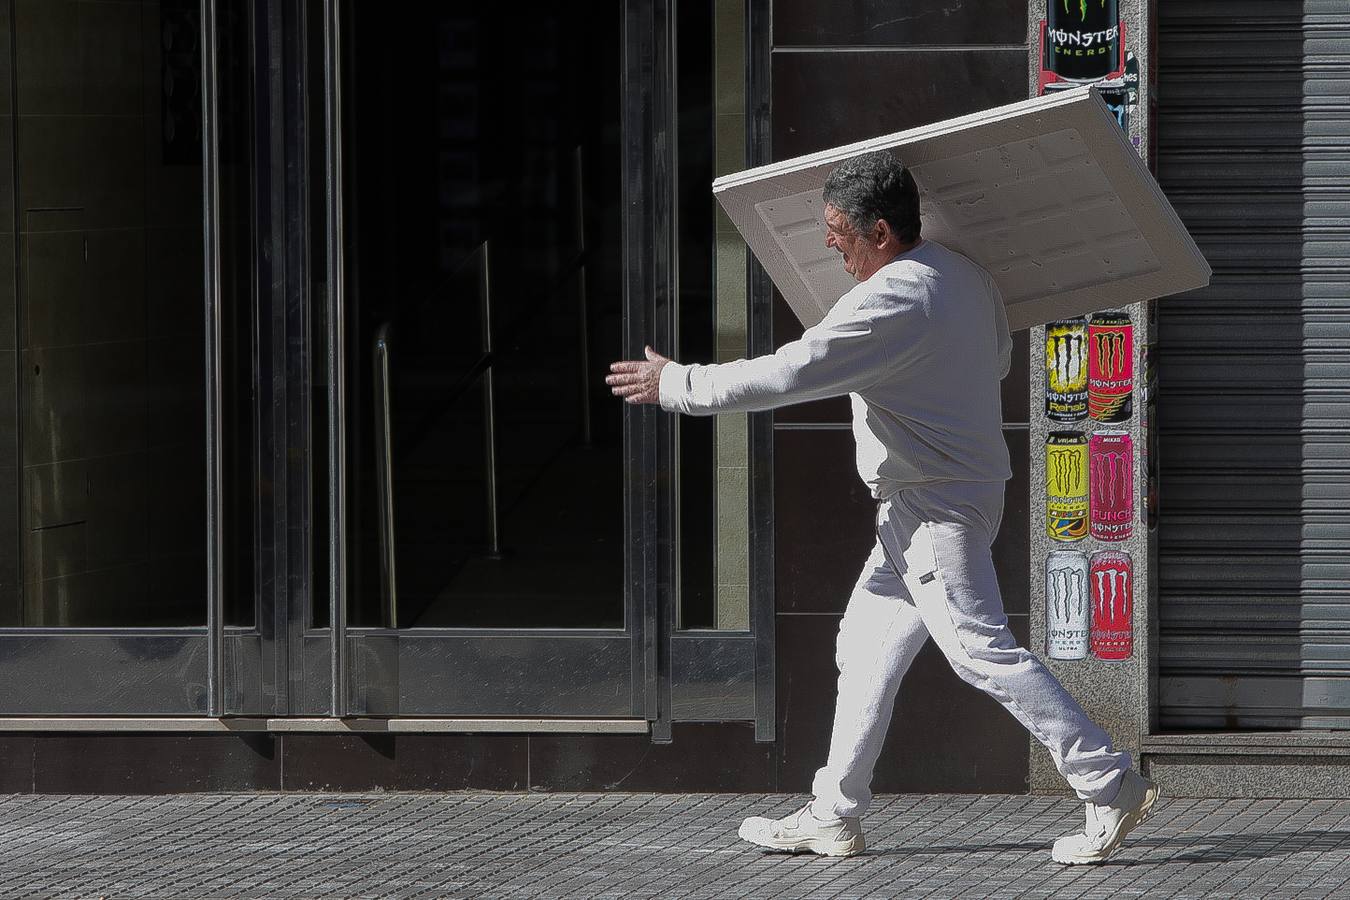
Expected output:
(1047, 194)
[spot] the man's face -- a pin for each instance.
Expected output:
(857, 249)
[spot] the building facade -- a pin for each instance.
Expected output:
(314, 483)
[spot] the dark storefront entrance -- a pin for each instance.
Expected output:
(352, 455)
(482, 296)
(193, 498)
(112, 528)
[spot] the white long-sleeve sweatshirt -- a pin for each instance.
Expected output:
(920, 348)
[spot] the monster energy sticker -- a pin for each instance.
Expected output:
(1118, 97)
(1083, 42)
(1110, 367)
(1112, 582)
(1066, 371)
(1111, 459)
(1066, 486)
(1066, 605)
(1120, 92)
(1082, 38)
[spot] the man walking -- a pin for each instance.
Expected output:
(920, 346)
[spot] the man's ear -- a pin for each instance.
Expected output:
(882, 233)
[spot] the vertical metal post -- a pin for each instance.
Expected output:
(20, 327)
(337, 335)
(664, 333)
(583, 301)
(215, 539)
(289, 278)
(635, 200)
(489, 401)
(384, 473)
(759, 315)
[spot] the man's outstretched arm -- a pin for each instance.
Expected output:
(834, 357)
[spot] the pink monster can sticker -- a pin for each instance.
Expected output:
(1111, 485)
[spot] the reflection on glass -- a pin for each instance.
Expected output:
(102, 470)
(714, 511)
(473, 126)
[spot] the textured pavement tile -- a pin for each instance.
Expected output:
(644, 845)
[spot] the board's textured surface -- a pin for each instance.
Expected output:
(1047, 194)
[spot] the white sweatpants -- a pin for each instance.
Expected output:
(931, 573)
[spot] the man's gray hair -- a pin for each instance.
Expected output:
(876, 186)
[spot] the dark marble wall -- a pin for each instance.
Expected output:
(841, 72)
(702, 758)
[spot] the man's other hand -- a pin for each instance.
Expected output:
(637, 381)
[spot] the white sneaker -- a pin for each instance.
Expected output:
(802, 832)
(1107, 825)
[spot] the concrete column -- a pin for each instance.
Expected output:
(1072, 41)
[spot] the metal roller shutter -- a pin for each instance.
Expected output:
(1254, 571)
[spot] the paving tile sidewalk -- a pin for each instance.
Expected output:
(644, 845)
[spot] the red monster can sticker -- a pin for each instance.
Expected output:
(1111, 578)
(1111, 485)
(1110, 367)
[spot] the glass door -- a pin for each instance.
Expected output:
(128, 477)
(482, 481)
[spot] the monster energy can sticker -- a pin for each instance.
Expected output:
(1066, 485)
(1110, 367)
(1066, 605)
(1112, 579)
(1066, 371)
(1111, 459)
(1082, 38)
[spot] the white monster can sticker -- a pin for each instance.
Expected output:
(1067, 605)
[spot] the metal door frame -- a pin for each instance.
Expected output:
(352, 671)
(201, 671)
(270, 675)
(716, 675)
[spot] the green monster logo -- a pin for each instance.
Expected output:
(1082, 8)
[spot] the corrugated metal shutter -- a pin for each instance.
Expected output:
(1254, 578)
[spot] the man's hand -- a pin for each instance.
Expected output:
(637, 381)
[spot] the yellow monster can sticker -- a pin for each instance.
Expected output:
(1066, 370)
(1066, 485)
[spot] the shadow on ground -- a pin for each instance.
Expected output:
(1198, 848)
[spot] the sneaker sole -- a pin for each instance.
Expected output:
(811, 845)
(1127, 824)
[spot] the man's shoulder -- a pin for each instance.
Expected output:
(897, 288)
(908, 275)
(939, 262)
(937, 255)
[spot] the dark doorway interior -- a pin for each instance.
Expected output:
(498, 125)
